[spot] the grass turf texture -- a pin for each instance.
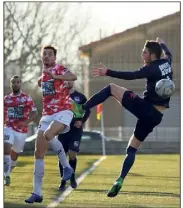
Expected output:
(154, 181)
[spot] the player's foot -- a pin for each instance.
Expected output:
(73, 181)
(34, 198)
(67, 173)
(62, 185)
(115, 188)
(77, 110)
(7, 179)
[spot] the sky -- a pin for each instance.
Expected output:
(109, 18)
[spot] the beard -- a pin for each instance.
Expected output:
(16, 91)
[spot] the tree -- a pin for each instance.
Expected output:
(30, 25)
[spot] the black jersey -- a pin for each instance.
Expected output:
(156, 70)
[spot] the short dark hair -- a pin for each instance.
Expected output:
(15, 77)
(154, 48)
(50, 47)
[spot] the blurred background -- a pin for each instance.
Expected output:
(86, 34)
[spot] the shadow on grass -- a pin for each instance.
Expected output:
(107, 206)
(164, 177)
(162, 194)
(23, 164)
(12, 205)
(58, 193)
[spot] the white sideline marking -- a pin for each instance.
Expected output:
(69, 189)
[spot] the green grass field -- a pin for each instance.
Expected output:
(154, 181)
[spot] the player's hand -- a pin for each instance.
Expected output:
(52, 75)
(78, 124)
(22, 124)
(159, 40)
(101, 71)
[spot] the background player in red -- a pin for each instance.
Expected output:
(56, 118)
(19, 111)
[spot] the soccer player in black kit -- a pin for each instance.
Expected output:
(147, 109)
(71, 140)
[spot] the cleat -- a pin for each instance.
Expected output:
(115, 188)
(67, 173)
(34, 198)
(62, 186)
(73, 181)
(7, 180)
(77, 109)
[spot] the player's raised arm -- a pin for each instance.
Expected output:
(168, 54)
(68, 76)
(141, 73)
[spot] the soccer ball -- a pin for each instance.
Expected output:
(165, 88)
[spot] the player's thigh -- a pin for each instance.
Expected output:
(117, 92)
(60, 124)
(8, 140)
(141, 131)
(41, 145)
(54, 129)
(19, 142)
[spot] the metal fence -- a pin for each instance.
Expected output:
(159, 134)
(167, 134)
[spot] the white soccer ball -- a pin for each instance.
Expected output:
(165, 88)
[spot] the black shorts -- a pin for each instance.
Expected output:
(148, 116)
(72, 139)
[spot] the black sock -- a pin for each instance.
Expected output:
(73, 163)
(60, 169)
(128, 162)
(98, 98)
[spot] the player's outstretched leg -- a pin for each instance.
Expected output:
(127, 164)
(96, 99)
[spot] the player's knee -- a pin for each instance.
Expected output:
(38, 154)
(48, 135)
(131, 150)
(72, 155)
(112, 86)
(117, 91)
(14, 156)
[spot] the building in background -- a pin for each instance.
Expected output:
(122, 51)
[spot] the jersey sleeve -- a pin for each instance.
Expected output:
(167, 52)
(144, 72)
(63, 70)
(31, 104)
